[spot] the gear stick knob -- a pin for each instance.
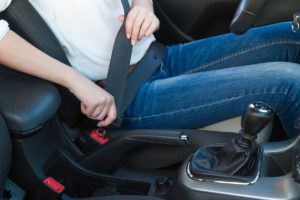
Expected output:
(256, 117)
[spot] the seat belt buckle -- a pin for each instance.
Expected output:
(54, 185)
(99, 135)
(91, 140)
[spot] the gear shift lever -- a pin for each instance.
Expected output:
(256, 117)
(238, 160)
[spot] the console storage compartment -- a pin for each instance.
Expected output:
(26, 103)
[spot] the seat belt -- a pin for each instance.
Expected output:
(143, 71)
(121, 86)
(119, 65)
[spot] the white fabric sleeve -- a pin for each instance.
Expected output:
(4, 28)
(4, 4)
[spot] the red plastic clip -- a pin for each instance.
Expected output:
(54, 185)
(99, 137)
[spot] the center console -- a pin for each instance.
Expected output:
(243, 169)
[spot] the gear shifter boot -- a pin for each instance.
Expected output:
(225, 161)
(239, 160)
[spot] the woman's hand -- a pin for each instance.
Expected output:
(141, 20)
(96, 103)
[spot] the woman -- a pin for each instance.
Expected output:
(198, 83)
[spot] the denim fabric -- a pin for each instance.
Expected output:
(214, 79)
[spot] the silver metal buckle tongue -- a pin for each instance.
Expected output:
(296, 22)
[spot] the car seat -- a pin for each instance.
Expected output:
(5, 154)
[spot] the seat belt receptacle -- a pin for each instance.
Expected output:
(99, 137)
(54, 185)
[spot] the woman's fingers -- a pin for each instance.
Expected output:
(99, 112)
(145, 26)
(104, 112)
(121, 18)
(88, 108)
(136, 27)
(153, 27)
(99, 108)
(110, 118)
(129, 22)
(96, 103)
(140, 22)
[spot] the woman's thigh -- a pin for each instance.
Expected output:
(202, 98)
(275, 42)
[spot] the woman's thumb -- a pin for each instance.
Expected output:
(121, 18)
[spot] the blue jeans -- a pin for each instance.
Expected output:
(214, 79)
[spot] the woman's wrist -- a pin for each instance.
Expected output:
(147, 3)
(70, 77)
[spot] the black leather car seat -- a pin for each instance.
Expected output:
(5, 154)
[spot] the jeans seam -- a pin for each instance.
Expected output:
(208, 105)
(241, 52)
(162, 65)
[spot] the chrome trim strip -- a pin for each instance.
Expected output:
(185, 139)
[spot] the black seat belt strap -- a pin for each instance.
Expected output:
(119, 65)
(143, 71)
(119, 84)
(126, 6)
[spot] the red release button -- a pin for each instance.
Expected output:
(54, 185)
(98, 138)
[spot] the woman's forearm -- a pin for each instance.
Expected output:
(18, 54)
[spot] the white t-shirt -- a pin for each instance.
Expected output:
(3, 24)
(86, 30)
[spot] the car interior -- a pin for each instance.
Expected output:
(46, 155)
